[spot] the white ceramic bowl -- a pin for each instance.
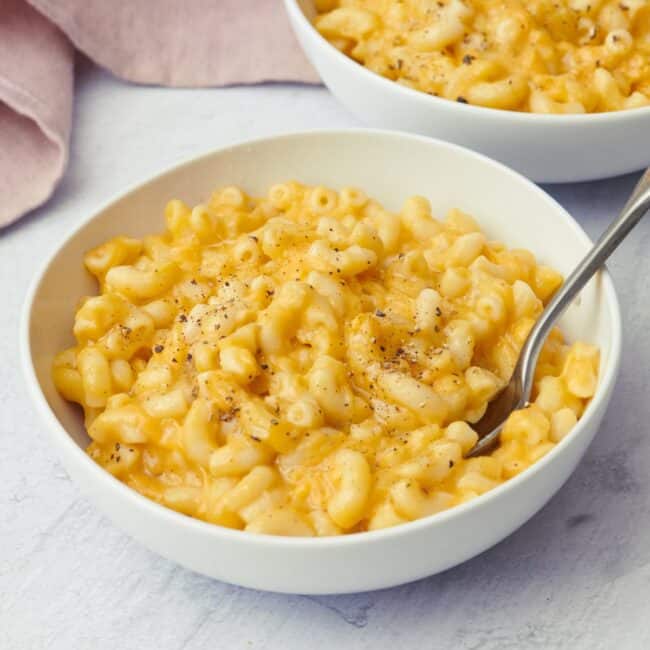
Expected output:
(546, 148)
(390, 167)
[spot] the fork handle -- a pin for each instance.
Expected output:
(636, 207)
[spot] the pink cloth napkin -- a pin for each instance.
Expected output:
(186, 43)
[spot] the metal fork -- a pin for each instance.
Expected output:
(517, 393)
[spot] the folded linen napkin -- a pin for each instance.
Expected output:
(187, 43)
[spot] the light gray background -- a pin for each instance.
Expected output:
(576, 576)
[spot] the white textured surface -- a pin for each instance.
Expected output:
(576, 576)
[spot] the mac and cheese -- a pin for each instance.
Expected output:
(542, 56)
(310, 363)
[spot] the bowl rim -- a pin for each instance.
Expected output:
(523, 117)
(136, 501)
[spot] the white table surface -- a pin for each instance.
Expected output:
(576, 576)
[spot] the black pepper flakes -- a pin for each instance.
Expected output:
(158, 349)
(461, 100)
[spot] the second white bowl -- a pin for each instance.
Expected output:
(546, 148)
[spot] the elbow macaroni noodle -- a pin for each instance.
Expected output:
(542, 56)
(310, 363)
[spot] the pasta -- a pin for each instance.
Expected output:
(310, 363)
(542, 56)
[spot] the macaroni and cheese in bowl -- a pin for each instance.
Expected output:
(540, 56)
(307, 363)
(551, 88)
(310, 363)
